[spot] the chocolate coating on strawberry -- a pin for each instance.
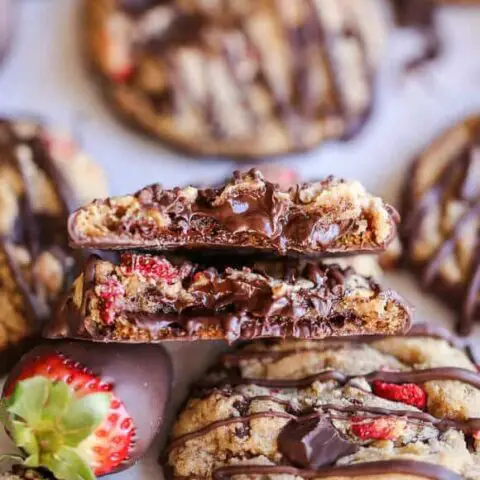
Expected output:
(137, 381)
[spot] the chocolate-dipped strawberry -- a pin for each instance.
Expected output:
(82, 410)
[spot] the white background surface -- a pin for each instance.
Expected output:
(44, 75)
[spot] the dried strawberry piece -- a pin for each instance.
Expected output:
(122, 75)
(408, 393)
(380, 428)
(109, 292)
(156, 268)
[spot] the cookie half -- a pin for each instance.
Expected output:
(145, 298)
(43, 176)
(442, 219)
(247, 79)
(248, 213)
(395, 408)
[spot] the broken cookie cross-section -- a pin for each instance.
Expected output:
(147, 298)
(247, 213)
(153, 288)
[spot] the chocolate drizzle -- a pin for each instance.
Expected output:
(406, 467)
(399, 377)
(455, 186)
(36, 232)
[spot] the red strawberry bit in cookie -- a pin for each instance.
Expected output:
(408, 393)
(155, 268)
(119, 62)
(79, 422)
(109, 292)
(381, 428)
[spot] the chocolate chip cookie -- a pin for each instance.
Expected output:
(442, 219)
(248, 213)
(43, 177)
(248, 79)
(151, 299)
(393, 408)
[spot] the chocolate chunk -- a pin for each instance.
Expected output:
(313, 443)
(248, 213)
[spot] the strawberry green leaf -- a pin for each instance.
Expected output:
(67, 464)
(32, 461)
(57, 402)
(83, 416)
(24, 437)
(28, 399)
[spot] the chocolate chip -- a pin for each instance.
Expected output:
(313, 442)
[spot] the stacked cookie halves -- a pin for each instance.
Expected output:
(234, 262)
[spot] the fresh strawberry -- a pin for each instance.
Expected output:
(408, 393)
(151, 267)
(69, 419)
(379, 428)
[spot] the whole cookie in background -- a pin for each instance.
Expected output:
(441, 218)
(43, 176)
(247, 79)
(395, 408)
(7, 21)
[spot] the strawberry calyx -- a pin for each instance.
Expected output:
(48, 422)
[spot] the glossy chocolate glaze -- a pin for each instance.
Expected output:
(35, 232)
(457, 180)
(262, 217)
(233, 308)
(141, 376)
